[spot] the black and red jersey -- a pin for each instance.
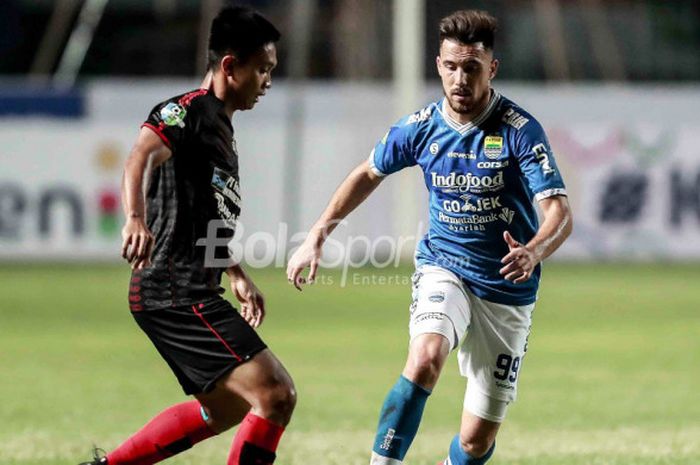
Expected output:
(198, 184)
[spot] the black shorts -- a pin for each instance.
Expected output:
(202, 342)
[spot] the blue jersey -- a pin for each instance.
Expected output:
(482, 178)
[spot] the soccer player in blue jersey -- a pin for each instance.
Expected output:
(484, 161)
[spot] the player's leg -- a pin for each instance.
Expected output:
(201, 344)
(258, 393)
(172, 431)
(403, 406)
(438, 318)
(476, 440)
(490, 357)
(264, 385)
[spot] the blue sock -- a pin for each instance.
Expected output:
(399, 419)
(459, 457)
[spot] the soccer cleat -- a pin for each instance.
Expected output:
(99, 457)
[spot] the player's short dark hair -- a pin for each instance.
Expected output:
(240, 31)
(469, 27)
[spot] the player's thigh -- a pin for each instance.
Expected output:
(261, 385)
(260, 378)
(492, 353)
(439, 305)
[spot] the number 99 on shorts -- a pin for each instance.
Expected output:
(507, 368)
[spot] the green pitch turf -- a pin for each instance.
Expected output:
(612, 375)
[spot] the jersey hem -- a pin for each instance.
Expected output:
(550, 193)
(373, 167)
(489, 298)
(474, 289)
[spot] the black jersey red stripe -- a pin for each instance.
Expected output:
(190, 189)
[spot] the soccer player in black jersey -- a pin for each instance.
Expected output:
(181, 175)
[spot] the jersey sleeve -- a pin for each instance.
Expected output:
(170, 121)
(537, 163)
(394, 151)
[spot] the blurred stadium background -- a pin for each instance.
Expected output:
(614, 367)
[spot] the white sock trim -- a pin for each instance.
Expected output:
(381, 460)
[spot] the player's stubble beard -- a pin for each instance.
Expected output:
(473, 108)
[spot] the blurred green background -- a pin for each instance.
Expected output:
(610, 377)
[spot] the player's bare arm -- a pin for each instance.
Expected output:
(148, 152)
(248, 294)
(350, 194)
(521, 260)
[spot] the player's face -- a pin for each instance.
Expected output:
(466, 71)
(252, 78)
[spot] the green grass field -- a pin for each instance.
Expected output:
(612, 375)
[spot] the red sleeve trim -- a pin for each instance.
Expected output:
(158, 132)
(186, 99)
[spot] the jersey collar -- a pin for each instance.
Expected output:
(466, 127)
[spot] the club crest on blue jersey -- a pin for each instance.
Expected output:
(173, 115)
(493, 147)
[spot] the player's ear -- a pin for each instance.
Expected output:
(227, 64)
(437, 64)
(493, 68)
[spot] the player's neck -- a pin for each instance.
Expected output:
(468, 117)
(218, 87)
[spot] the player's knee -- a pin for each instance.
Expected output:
(277, 402)
(475, 445)
(285, 399)
(425, 363)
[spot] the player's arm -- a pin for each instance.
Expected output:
(148, 152)
(351, 193)
(248, 294)
(521, 260)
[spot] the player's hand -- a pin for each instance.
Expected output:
(251, 299)
(137, 243)
(309, 254)
(520, 261)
